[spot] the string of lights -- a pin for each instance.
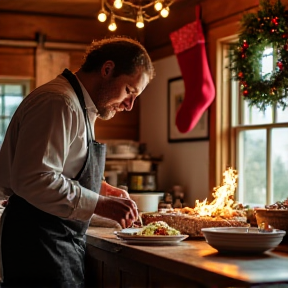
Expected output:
(136, 11)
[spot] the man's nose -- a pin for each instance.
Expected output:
(129, 104)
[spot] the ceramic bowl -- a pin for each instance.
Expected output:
(242, 239)
(147, 202)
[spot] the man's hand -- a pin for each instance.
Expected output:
(108, 190)
(122, 210)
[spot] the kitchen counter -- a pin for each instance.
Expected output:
(191, 263)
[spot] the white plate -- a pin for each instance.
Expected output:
(129, 231)
(242, 239)
(156, 240)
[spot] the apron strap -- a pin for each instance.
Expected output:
(77, 88)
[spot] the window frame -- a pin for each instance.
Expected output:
(226, 149)
(25, 82)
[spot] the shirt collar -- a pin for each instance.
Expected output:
(88, 101)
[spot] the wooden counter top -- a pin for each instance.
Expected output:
(197, 261)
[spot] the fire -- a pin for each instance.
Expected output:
(224, 197)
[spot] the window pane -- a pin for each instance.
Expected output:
(267, 63)
(11, 103)
(16, 90)
(280, 164)
(253, 116)
(252, 168)
(11, 96)
(282, 115)
(3, 127)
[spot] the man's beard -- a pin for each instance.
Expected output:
(106, 112)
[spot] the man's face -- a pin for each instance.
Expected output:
(119, 93)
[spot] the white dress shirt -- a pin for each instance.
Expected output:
(45, 148)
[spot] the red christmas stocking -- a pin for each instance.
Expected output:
(189, 45)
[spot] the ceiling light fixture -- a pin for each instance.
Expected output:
(137, 11)
(139, 19)
(112, 26)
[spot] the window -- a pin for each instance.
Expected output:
(259, 146)
(11, 95)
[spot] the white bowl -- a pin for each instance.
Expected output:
(147, 202)
(242, 239)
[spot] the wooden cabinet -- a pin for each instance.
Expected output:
(108, 269)
(111, 269)
(111, 263)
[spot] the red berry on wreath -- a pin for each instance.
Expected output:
(244, 83)
(280, 65)
(245, 45)
(245, 92)
(240, 74)
(275, 21)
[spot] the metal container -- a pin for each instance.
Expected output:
(138, 181)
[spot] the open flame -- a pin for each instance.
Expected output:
(224, 197)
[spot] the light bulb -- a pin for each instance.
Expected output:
(139, 20)
(102, 16)
(118, 4)
(140, 24)
(165, 12)
(112, 26)
(158, 5)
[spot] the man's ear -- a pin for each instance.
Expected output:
(107, 68)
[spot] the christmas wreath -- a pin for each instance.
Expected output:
(266, 28)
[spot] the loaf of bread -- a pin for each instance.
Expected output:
(192, 224)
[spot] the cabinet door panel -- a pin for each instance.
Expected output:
(133, 274)
(161, 279)
(111, 277)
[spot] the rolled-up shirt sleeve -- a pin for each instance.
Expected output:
(48, 154)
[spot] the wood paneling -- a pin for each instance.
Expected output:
(76, 59)
(61, 29)
(80, 8)
(124, 125)
(20, 61)
(16, 62)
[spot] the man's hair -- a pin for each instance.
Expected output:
(127, 54)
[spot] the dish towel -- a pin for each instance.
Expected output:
(189, 46)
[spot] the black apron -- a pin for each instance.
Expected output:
(43, 250)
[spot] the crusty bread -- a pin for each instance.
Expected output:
(192, 224)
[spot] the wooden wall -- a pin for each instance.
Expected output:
(18, 44)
